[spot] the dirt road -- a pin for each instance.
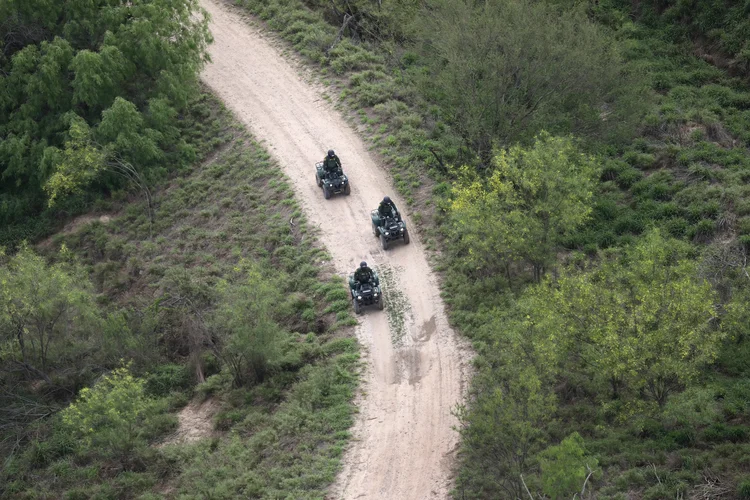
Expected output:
(403, 444)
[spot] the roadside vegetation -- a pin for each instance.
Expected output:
(191, 280)
(591, 207)
(223, 298)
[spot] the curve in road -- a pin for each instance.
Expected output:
(403, 440)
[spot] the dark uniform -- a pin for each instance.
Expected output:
(363, 274)
(387, 208)
(331, 164)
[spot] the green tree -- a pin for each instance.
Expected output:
(565, 467)
(507, 69)
(513, 403)
(503, 429)
(82, 160)
(530, 200)
(643, 321)
(125, 69)
(47, 313)
(110, 414)
(250, 337)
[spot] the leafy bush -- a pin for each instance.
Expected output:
(251, 337)
(606, 309)
(529, 202)
(110, 414)
(720, 432)
(502, 429)
(743, 489)
(692, 408)
(46, 312)
(565, 467)
(167, 378)
(505, 95)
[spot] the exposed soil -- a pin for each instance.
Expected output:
(195, 422)
(404, 438)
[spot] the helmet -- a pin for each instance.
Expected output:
(386, 200)
(331, 154)
(363, 264)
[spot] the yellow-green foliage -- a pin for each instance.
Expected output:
(565, 467)
(78, 163)
(45, 312)
(628, 332)
(529, 201)
(245, 323)
(110, 411)
(641, 322)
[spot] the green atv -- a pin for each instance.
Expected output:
(333, 183)
(366, 294)
(389, 229)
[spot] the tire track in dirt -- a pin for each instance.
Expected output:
(403, 439)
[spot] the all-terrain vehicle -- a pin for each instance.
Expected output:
(388, 229)
(333, 183)
(366, 294)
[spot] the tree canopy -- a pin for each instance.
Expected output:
(643, 322)
(529, 201)
(122, 68)
(505, 70)
(46, 313)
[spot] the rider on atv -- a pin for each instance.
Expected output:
(332, 164)
(363, 274)
(388, 209)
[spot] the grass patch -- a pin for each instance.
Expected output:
(279, 437)
(397, 308)
(686, 173)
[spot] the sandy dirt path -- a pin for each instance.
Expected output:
(403, 444)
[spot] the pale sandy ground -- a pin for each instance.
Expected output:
(195, 422)
(404, 439)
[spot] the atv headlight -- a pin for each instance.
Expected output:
(359, 297)
(330, 184)
(402, 229)
(387, 233)
(376, 295)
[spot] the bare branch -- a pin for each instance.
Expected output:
(655, 474)
(439, 160)
(347, 19)
(526, 487)
(583, 490)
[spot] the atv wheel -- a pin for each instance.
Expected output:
(357, 309)
(380, 303)
(375, 230)
(406, 237)
(326, 192)
(317, 180)
(347, 189)
(383, 242)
